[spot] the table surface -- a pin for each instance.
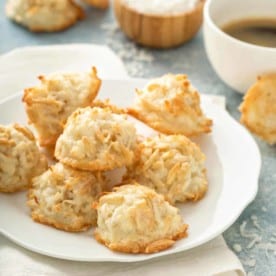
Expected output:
(253, 235)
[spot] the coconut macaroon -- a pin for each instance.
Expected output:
(101, 4)
(107, 104)
(96, 139)
(135, 219)
(20, 158)
(44, 15)
(171, 105)
(259, 108)
(49, 104)
(63, 197)
(172, 165)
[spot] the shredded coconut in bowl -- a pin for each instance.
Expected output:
(161, 7)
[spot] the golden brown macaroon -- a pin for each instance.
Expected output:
(20, 158)
(49, 104)
(171, 105)
(135, 219)
(172, 165)
(96, 139)
(63, 197)
(107, 104)
(101, 4)
(44, 15)
(259, 108)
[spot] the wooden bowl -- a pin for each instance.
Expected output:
(159, 31)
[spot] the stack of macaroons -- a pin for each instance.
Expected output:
(87, 141)
(90, 138)
(94, 141)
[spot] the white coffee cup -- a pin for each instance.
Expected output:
(237, 63)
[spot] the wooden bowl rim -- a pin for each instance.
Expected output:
(198, 6)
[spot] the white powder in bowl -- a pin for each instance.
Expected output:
(161, 7)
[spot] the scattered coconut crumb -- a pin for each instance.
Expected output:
(250, 262)
(255, 222)
(255, 238)
(237, 247)
(254, 217)
(264, 209)
(267, 246)
(273, 239)
(266, 254)
(136, 58)
(112, 27)
(243, 232)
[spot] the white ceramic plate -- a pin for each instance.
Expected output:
(233, 164)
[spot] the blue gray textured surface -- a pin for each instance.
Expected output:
(253, 235)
